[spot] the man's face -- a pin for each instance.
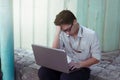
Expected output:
(66, 28)
(70, 29)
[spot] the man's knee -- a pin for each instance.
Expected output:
(48, 74)
(64, 76)
(42, 72)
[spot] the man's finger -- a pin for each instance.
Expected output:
(73, 68)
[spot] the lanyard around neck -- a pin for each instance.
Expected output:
(76, 50)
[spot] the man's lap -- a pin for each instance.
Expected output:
(49, 74)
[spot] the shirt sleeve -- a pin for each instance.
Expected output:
(95, 47)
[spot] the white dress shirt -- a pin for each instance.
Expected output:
(89, 45)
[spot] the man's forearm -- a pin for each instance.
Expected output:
(56, 41)
(56, 38)
(89, 62)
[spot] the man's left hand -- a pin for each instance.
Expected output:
(74, 65)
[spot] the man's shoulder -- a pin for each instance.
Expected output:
(62, 34)
(88, 31)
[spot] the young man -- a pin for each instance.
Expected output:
(81, 45)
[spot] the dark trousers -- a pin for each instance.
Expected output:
(49, 74)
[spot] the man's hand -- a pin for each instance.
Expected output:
(86, 63)
(74, 65)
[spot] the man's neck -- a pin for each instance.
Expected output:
(76, 34)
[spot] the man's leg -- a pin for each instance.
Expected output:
(48, 74)
(82, 74)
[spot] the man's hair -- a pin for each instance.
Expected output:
(64, 17)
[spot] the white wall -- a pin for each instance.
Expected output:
(34, 20)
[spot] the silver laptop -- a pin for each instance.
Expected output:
(55, 59)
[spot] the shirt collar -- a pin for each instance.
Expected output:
(80, 32)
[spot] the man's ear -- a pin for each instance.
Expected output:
(74, 21)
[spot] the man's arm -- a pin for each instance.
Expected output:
(89, 62)
(96, 55)
(86, 63)
(56, 38)
(95, 51)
